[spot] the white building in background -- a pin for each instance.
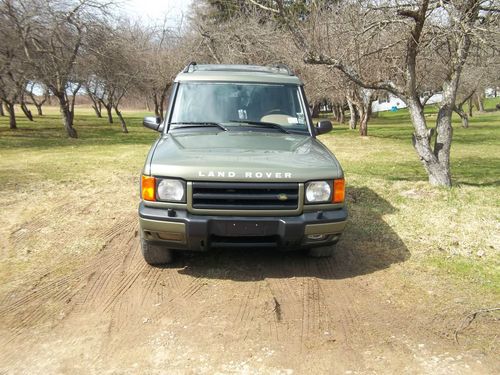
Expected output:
(393, 103)
(491, 92)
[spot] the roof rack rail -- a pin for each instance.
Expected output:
(187, 69)
(284, 67)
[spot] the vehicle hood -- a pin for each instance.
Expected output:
(243, 156)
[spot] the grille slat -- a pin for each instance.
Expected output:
(239, 196)
(245, 196)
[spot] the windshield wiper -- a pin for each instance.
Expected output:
(200, 124)
(262, 124)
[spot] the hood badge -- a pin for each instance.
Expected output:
(233, 174)
(282, 197)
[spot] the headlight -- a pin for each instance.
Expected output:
(171, 190)
(318, 192)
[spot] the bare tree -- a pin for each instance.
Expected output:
(118, 65)
(166, 52)
(407, 39)
(12, 65)
(242, 32)
(37, 100)
(52, 34)
(9, 98)
(92, 89)
(24, 106)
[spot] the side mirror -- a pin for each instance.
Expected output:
(152, 123)
(324, 126)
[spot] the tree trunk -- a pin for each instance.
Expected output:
(439, 173)
(444, 134)
(122, 120)
(39, 109)
(2, 113)
(26, 111)
(353, 121)
(363, 122)
(67, 115)
(12, 115)
(161, 109)
(364, 109)
(156, 105)
(480, 103)
(163, 101)
(465, 119)
(96, 106)
(335, 113)
(470, 106)
(109, 112)
(341, 113)
(315, 110)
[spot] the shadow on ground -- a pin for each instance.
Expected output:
(368, 245)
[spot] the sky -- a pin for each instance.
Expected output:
(153, 11)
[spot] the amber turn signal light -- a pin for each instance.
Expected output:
(148, 188)
(338, 190)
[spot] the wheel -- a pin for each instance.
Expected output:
(321, 252)
(156, 254)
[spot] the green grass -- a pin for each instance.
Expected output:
(475, 156)
(42, 151)
(396, 217)
(451, 231)
(477, 272)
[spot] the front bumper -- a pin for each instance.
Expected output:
(182, 230)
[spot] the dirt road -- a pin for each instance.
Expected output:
(223, 312)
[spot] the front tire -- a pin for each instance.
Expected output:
(156, 255)
(321, 252)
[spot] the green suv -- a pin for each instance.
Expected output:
(237, 165)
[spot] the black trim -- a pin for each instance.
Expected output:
(205, 232)
(312, 130)
(168, 115)
(245, 195)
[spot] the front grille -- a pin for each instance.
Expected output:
(245, 196)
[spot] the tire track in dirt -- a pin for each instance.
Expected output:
(45, 285)
(311, 308)
(348, 327)
(344, 302)
(143, 295)
(247, 309)
(31, 227)
(33, 231)
(41, 303)
(286, 311)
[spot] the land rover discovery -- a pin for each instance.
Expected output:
(237, 164)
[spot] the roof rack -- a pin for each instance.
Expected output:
(275, 68)
(284, 67)
(187, 69)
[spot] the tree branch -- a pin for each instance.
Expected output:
(353, 75)
(261, 6)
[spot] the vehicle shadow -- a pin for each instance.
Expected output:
(368, 244)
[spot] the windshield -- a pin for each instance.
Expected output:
(203, 102)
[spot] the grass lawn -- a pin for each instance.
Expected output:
(56, 192)
(451, 231)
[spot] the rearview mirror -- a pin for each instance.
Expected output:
(324, 126)
(152, 122)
